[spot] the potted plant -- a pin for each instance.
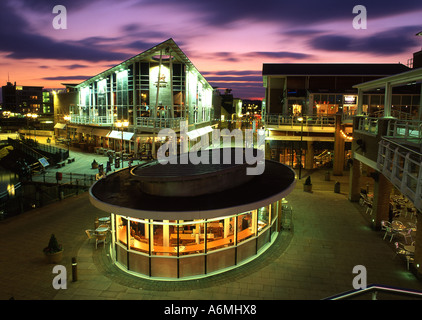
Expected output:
(53, 252)
(307, 186)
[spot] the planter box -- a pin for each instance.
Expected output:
(54, 258)
(307, 187)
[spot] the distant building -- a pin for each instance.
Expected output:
(309, 108)
(22, 99)
(251, 107)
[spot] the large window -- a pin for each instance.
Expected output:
(246, 226)
(222, 232)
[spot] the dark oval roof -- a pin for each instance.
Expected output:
(119, 193)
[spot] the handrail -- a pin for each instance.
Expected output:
(374, 288)
(401, 146)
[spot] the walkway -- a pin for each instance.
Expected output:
(312, 261)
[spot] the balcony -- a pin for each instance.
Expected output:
(92, 120)
(393, 146)
(159, 123)
(403, 167)
(293, 123)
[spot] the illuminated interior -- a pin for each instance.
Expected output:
(192, 248)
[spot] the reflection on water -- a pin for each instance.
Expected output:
(7, 177)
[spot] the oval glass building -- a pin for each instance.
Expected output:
(186, 221)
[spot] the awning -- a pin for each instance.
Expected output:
(199, 132)
(100, 132)
(118, 135)
(85, 130)
(60, 126)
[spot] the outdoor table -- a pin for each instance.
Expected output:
(396, 225)
(101, 229)
(410, 249)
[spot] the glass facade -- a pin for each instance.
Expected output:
(143, 91)
(195, 248)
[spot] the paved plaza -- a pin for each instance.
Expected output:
(313, 260)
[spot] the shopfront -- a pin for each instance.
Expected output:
(180, 222)
(183, 249)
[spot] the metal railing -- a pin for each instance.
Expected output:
(315, 121)
(368, 125)
(159, 122)
(407, 130)
(374, 290)
(146, 122)
(95, 120)
(403, 167)
(77, 179)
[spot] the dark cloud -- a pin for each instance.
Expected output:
(235, 79)
(75, 66)
(306, 12)
(278, 55)
(20, 43)
(48, 5)
(67, 78)
(140, 45)
(391, 42)
(233, 72)
(235, 57)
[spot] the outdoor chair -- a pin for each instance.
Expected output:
(390, 232)
(409, 259)
(362, 199)
(399, 249)
(100, 237)
(368, 207)
(385, 224)
(90, 233)
(406, 234)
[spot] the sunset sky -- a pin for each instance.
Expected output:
(227, 40)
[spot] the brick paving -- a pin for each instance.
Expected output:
(313, 260)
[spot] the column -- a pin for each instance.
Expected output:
(420, 106)
(354, 181)
(135, 103)
(388, 100)
(269, 95)
(285, 100)
(338, 148)
(166, 233)
(380, 206)
(309, 157)
(153, 151)
(359, 111)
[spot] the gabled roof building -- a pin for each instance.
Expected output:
(148, 92)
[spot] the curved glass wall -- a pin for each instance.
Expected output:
(192, 248)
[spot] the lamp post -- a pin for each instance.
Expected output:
(34, 117)
(122, 124)
(67, 119)
(300, 147)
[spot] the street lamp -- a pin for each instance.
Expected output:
(67, 119)
(34, 117)
(122, 124)
(300, 147)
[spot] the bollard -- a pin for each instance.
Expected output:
(74, 270)
(327, 176)
(337, 187)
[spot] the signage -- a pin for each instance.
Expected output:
(349, 99)
(44, 162)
